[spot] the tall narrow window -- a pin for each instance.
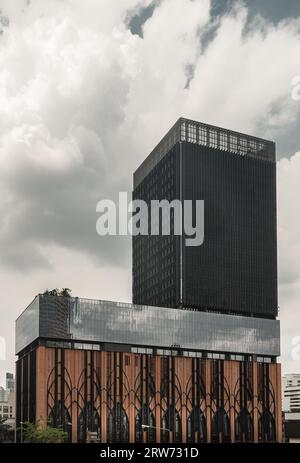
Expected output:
(171, 423)
(145, 417)
(220, 427)
(88, 421)
(117, 425)
(196, 425)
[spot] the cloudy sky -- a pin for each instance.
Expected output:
(86, 91)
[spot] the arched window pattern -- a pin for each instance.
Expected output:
(139, 383)
(220, 430)
(266, 427)
(244, 427)
(196, 424)
(243, 404)
(171, 422)
(266, 405)
(59, 395)
(151, 385)
(59, 417)
(145, 416)
(165, 374)
(88, 421)
(117, 425)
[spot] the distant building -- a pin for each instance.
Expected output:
(10, 382)
(3, 394)
(291, 393)
(291, 427)
(8, 401)
(291, 407)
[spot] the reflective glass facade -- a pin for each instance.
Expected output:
(27, 325)
(120, 323)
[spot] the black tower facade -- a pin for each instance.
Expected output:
(235, 269)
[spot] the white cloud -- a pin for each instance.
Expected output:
(288, 180)
(288, 176)
(246, 74)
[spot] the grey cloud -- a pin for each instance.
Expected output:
(60, 210)
(272, 10)
(23, 255)
(61, 157)
(135, 22)
(77, 123)
(289, 142)
(282, 128)
(189, 70)
(287, 138)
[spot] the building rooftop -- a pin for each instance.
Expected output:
(209, 136)
(97, 321)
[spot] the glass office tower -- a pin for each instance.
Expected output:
(235, 269)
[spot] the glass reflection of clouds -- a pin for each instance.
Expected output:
(115, 322)
(27, 325)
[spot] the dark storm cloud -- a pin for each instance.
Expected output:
(271, 10)
(289, 142)
(137, 21)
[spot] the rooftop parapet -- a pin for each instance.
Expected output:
(96, 321)
(207, 135)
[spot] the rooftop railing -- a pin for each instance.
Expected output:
(209, 136)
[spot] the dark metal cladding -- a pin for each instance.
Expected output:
(156, 259)
(235, 269)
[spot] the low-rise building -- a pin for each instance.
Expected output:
(291, 393)
(116, 372)
(8, 402)
(291, 407)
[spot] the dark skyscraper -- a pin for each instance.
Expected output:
(235, 269)
(10, 382)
